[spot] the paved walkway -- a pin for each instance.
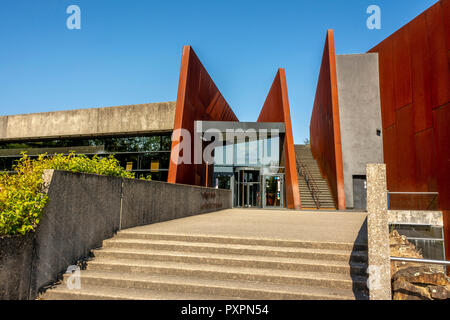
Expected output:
(348, 227)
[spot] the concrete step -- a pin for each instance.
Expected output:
(237, 249)
(89, 292)
(278, 243)
(229, 273)
(124, 251)
(304, 156)
(238, 289)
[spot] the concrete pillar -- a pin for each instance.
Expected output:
(379, 282)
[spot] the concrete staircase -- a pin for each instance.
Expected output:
(138, 264)
(304, 156)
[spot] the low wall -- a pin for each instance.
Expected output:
(433, 218)
(83, 211)
(15, 267)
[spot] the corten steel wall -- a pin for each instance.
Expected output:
(198, 99)
(415, 93)
(276, 109)
(325, 132)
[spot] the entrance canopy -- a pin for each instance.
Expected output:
(240, 128)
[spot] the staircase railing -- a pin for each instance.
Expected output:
(311, 184)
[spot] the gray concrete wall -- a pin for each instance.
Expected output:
(134, 119)
(433, 218)
(86, 209)
(146, 203)
(15, 267)
(83, 211)
(360, 115)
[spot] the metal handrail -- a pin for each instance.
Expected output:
(311, 184)
(413, 192)
(440, 262)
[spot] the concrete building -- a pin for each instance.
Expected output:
(146, 139)
(388, 105)
(139, 135)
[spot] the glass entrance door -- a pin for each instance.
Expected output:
(247, 193)
(273, 191)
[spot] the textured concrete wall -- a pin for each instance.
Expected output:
(83, 211)
(433, 218)
(15, 267)
(135, 119)
(378, 233)
(359, 114)
(145, 203)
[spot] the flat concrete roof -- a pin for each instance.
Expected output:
(111, 121)
(232, 125)
(241, 130)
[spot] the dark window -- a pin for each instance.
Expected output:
(146, 155)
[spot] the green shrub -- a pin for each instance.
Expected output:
(22, 196)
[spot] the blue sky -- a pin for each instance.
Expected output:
(129, 51)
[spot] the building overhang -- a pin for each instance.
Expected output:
(239, 127)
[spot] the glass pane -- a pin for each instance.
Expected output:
(273, 191)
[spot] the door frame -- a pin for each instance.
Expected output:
(282, 192)
(237, 183)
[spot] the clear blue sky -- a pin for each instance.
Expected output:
(129, 51)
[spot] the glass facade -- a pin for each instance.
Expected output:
(253, 170)
(144, 155)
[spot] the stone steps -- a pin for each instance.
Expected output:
(145, 265)
(279, 243)
(343, 267)
(304, 156)
(237, 289)
(218, 272)
(95, 292)
(266, 251)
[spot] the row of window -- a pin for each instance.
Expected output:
(144, 155)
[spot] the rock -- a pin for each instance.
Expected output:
(403, 290)
(422, 275)
(401, 247)
(412, 280)
(439, 292)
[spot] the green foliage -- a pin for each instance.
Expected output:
(23, 197)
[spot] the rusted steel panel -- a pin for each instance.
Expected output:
(276, 109)
(390, 157)
(417, 139)
(420, 74)
(441, 119)
(402, 68)
(425, 154)
(405, 148)
(386, 67)
(435, 28)
(198, 99)
(325, 125)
